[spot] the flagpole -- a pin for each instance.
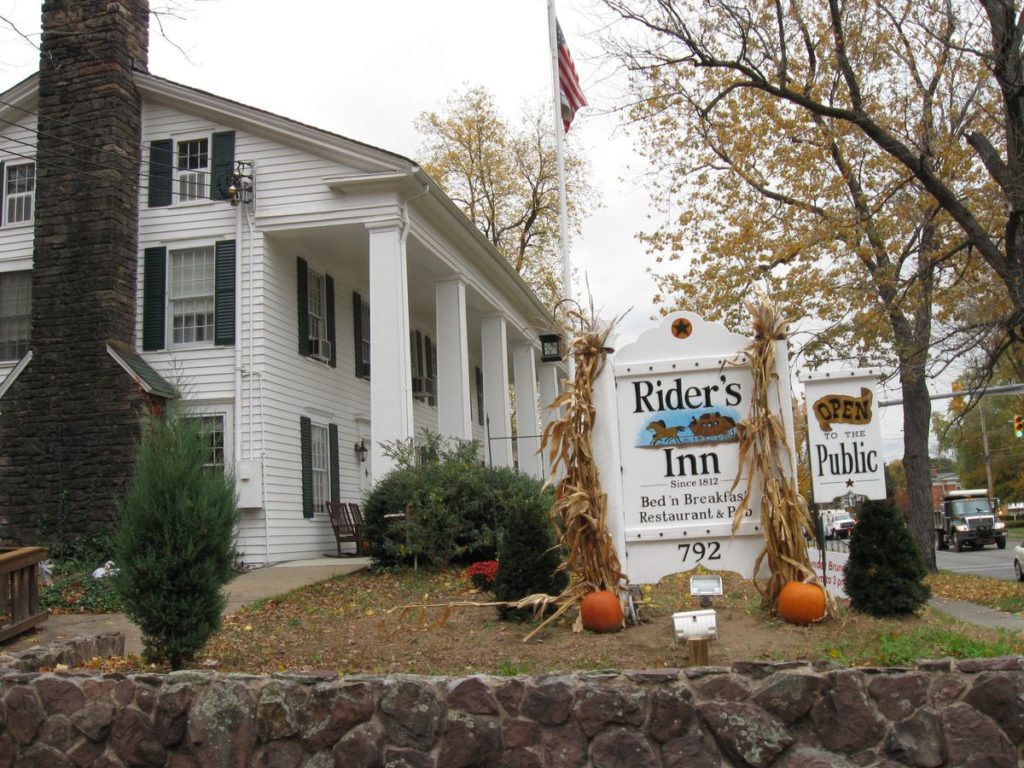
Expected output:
(556, 90)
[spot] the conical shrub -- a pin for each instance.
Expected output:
(174, 545)
(528, 551)
(885, 572)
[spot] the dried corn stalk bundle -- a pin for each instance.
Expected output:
(581, 507)
(764, 454)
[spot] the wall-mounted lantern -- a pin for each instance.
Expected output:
(361, 450)
(550, 348)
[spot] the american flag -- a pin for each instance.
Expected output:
(568, 81)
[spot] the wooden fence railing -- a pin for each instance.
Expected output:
(19, 590)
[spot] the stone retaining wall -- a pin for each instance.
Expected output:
(941, 713)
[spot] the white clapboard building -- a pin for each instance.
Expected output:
(310, 296)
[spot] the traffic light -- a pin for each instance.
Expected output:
(1018, 426)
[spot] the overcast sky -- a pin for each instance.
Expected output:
(367, 70)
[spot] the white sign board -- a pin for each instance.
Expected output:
(672, 473)
(832, 571)
(844, 434)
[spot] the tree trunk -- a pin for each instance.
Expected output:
(917, 411)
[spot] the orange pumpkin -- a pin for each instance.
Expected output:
(802, 603)
(601, 611)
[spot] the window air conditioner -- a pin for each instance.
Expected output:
(320, 349)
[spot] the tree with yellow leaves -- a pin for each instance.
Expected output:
(505, 179)
(744, 106)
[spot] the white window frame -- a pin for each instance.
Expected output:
(7, 315)
(24, 199)
(195, 181)
(320, 449)
(224, 412)
(178, 296)
(316, 310)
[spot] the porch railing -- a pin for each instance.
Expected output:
(19, 590)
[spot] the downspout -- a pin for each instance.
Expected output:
(250, 339)
(238, 334)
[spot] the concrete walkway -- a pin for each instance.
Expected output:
(972, 613)
(248, 587)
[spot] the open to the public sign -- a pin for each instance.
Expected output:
(844, 434)
(681, 391)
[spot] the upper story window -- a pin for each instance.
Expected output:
(19, 193)
(193, 169)
(191, 297)
(190, 169)
(15, 313)
(319, 346)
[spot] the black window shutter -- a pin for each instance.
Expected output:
(306, 439)
(223, 165)
(332, 431)
(412, 357)
(3, 192)
(430, 353)
(331, 333)
(479, 396)
(224, 293)
(357, 324)
(303, 302)
(161, 175)
(154, 276)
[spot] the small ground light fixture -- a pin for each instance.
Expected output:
(706, 588)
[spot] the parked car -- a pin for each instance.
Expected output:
(1018, 561)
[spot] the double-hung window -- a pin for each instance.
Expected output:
(19, 193)
(190, 168)
(319, 346)
(191, 297)
(321, 466)
(15, 313)
(193, 169)
(319, 457)
(211, 433)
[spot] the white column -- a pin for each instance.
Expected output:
(454, 418)
(390, 367)
(524, 371)
(494, 341)
(550, 375)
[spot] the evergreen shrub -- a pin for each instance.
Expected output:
(885, 572)
(435, 505)
(528, 551)
(174, 545)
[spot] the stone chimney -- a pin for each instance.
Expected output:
(69, 424)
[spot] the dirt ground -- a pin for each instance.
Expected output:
(418, 623)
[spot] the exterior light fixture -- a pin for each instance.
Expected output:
(360, 449)
(550, 348)
(241, 189)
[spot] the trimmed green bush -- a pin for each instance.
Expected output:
(441, 506)
(528, 551)
(885, 572)
(174, 545)
(435, 505)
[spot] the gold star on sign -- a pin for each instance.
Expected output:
(682, 328)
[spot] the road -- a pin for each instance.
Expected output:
(988, 561)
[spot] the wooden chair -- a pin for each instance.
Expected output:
(348, 525)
